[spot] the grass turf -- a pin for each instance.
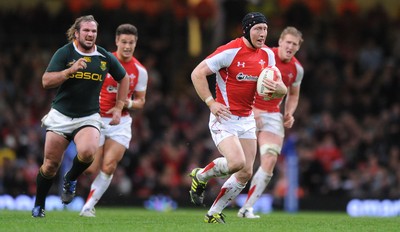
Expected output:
(137, 219)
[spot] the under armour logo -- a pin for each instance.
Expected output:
(240, 64)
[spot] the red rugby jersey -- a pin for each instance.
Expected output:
(292, 75)
(137, 82)
(237, 68)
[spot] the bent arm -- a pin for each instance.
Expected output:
(292, 100)
(55, 79)
(139, 98)
(200, 83)
(122, 92)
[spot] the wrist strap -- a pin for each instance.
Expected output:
(130, 104)
(207, 100)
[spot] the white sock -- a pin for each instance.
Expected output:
(217, 168)
(229, 191)
(258, 184)
(97, 189)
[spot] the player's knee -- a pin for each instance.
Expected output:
(247, 175)
(86, 154)
(243, 176)
(50, 168)
(109, 169)
(271, 149)
(236, 165)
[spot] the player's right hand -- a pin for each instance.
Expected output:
(79, 64)
(220, 111)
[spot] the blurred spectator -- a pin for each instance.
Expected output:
(311, 171)
(329, 154)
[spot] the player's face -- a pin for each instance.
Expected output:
(126, 45)
(288, 46)
(258, 34)
(87, 35)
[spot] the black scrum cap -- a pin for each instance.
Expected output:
(249, 21)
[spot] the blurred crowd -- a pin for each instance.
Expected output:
(347, 127)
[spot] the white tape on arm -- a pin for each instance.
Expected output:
(130, 104)
(208, 99)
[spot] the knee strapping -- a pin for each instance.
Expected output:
(272, 149)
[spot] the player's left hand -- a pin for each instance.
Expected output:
(270, 85)
(116, 115)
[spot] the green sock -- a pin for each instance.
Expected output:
(43, 185)
(78, 167)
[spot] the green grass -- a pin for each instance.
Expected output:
(136, 219)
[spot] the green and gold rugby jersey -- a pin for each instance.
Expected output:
(79, 95)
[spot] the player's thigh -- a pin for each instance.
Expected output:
(271, 122)
(250, 150)
(87, 141)
(54, 148)
(267, 137)
(240, 154)
(232, 150)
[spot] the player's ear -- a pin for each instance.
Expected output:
(280, 42)
(116, 39)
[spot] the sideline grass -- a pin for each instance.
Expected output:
(137, 219)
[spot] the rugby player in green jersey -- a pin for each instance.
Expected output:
(78, 70)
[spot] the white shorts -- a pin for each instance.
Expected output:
(271, 122)
(121, 133)
(242, 127)
(66, 126)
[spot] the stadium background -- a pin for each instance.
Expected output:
(347, 128)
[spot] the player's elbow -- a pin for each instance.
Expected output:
(141, 104)
(193, 76)
(46, 83)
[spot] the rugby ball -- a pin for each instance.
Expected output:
(273, 73)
